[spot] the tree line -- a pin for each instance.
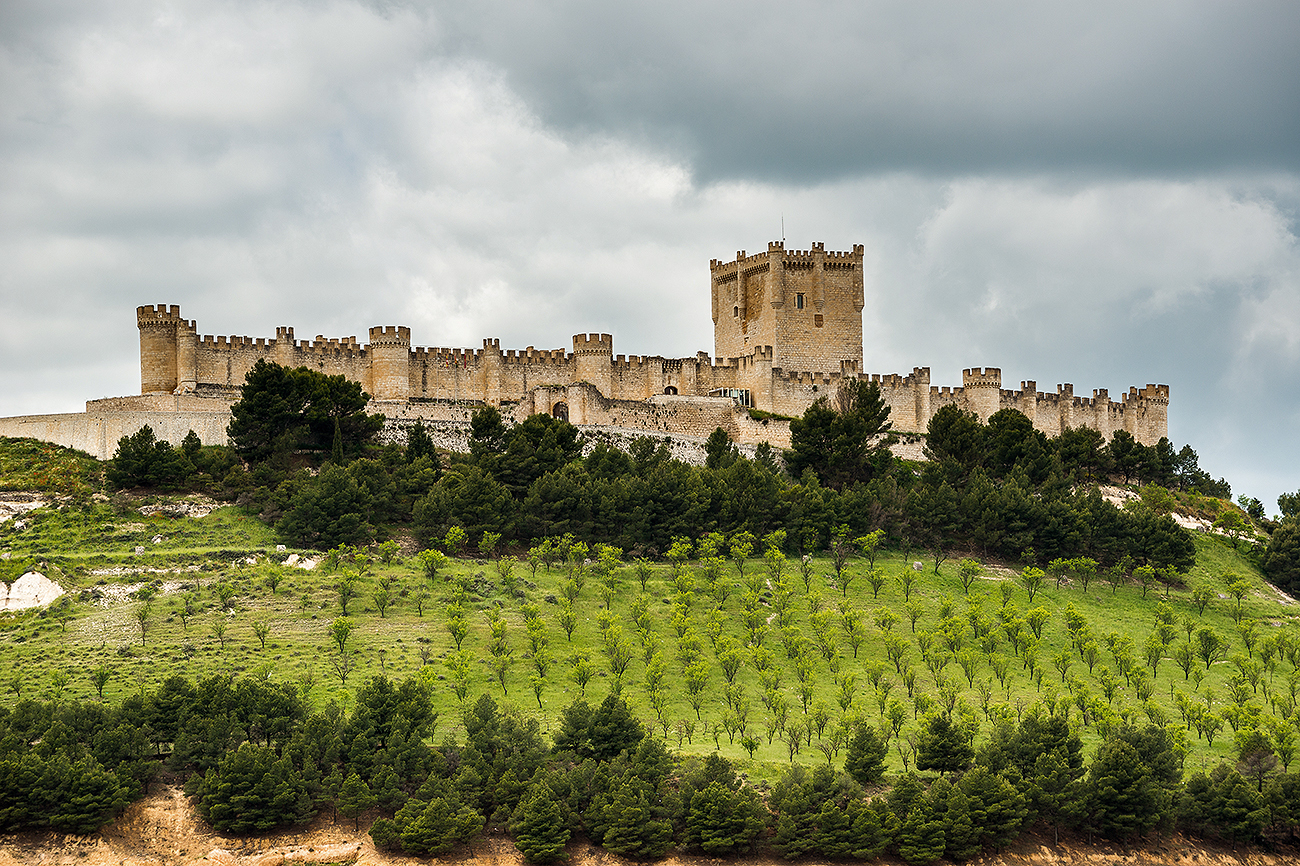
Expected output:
(302, 454)
(256, 758)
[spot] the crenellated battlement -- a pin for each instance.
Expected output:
(390, 335)
(530, 356)
(776, 251)
(593, 344)
(150, 315)
(979, 377)
(787, 331)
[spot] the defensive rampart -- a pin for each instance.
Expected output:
(787, 331)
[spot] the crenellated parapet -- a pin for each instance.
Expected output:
(787, 331)
(593, 344)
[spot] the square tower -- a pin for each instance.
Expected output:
(805, 304)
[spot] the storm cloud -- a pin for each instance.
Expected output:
(1104, 195)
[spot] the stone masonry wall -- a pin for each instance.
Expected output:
(787, 330)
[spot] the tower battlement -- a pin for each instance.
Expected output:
(390, 335)
(787, 331)
(161, 314)
(981, 377)
(593, 344)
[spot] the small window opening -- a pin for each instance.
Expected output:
(798, 301)
(741, 395)
(735, 312)
(670, 390)
(817, 320)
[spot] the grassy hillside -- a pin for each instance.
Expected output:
(91, 553)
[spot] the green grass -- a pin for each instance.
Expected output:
(81, 549)
(29, 464)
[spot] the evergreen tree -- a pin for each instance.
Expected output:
(434, 826)
(722, 821)
(1123, 799)
(997, 810)
(921, 837)
(845, 444)
(252, 789)
(865, 758)
(1223, 804)
(354, 799)
(600, 734)
(834, 836)
(961, 837)
(955, 441)
(873, 827)
(143, 460)
(540, 827)
(943, 746)
(281, 410)
(719, 453)
(1281, 560)
(419, 443)
(631, 829)
(904, 794)
(329, 510)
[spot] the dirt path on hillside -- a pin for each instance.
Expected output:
(163, 830)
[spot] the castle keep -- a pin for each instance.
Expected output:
(787, 330)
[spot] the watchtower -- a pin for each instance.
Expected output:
(594, 354)
(167, 349)
(390, 362)
(983, 389)
(805, 304)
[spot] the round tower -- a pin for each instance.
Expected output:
(595, 357)
(982, 388)
(158, 326)
(390, 362)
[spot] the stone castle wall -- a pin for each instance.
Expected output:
(787, 331)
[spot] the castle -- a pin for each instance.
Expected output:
(787, 330)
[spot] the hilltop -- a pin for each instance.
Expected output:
(766, 659)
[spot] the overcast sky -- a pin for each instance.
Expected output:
(1103, 193)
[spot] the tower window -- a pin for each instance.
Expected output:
(817, 320)
(798, 300)
(735, 312)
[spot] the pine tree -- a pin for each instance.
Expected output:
(436, 826)
(865, 758)
(539, 826)
(997, 810)
(904, 795)
(921, 837)
(722, 820)
(943, 747)
(1123, 798)
(355, 798)
(632, 829)
(872, 829)
(834, 836)
(961, 838)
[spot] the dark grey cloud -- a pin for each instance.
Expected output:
(1105, 196)
(800, 92)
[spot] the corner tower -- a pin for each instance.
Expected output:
(805, 304)
(162, 357)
